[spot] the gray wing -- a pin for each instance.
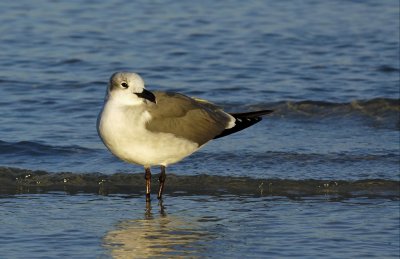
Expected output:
(196, 120)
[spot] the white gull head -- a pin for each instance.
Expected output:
(128, 89)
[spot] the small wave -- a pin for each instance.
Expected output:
(37, 149)
(387, 69)
(374, 107)
(70, 61)
(383, 111)
(14, 181)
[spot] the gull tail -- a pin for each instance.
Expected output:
(244, 120)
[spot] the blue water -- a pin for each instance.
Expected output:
(329, 69)
(86, 226)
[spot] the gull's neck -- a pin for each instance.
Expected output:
(118, 112)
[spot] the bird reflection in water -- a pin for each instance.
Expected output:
(156, 235)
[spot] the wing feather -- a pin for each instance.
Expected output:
(188, 118)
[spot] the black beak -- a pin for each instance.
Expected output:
(147, 95)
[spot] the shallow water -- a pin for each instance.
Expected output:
(92, 226)
(318, 177)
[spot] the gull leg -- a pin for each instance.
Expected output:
(161, 179)
(147, 176)
(162, 208)
(148, 214)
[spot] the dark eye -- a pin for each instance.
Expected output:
(124, 85)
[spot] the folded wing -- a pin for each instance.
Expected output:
(185, 117)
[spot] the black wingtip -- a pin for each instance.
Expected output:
(244, 120)
(252, 114)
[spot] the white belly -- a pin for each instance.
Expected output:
(125, 135)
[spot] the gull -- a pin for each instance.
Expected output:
(161, 128)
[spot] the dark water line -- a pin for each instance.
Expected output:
(382, 107)
(18, 181)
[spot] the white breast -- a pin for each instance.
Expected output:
(122, 129)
